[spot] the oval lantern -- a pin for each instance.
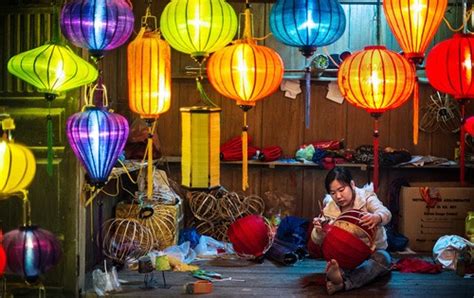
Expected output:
(3, 256)
(198, 27)
(346, 241)
(17, 167)
(307, 24)
(97, 25)
(469, 126)
(250, 236)
(31, 251)
(245, 72)
(449, 70)
(377, 80)
(97, 137)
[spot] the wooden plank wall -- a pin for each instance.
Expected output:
(278, 120)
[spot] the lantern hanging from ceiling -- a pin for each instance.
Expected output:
(97, 137)
(469, 126)
(198, 27)
(245, 72)
(149, 80)
(97, 25)
(307, 24)
(414, 24)
(377, 80)
(31, 251)
(200, 161)
(449, 70)
(17, 163)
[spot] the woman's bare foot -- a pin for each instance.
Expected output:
(335, 281)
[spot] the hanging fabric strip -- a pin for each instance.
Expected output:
(308, 97)
(415, 111)
(245, 183)
(462, 145)
(150, 161)
(376, 155)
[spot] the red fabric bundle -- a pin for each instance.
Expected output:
(416, 265)
(249, 235)
(270, 153)
(326, 145)
(232, 149)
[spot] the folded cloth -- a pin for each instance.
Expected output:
(291, 87)
(416, 265)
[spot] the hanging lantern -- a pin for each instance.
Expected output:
(449, 70)
(31, 251)
(250, 236)
(200, 163)
(377, 80)
(198, 27)
(307, 24)
(97, 25)
(469, 126)
(3, 256)
(414, 24)
(17, 162)
(245, 72)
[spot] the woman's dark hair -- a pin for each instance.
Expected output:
(340, 174)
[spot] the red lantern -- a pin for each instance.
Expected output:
(377, 80)
(3, 257)
(250, 236)
(449, 70)
(346, 241)
(469, 126)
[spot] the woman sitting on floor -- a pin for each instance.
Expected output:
(342, 196)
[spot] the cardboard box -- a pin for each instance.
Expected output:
(423, 225)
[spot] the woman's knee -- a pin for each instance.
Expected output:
(382, 257)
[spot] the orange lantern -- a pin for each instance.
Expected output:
(377, 80)
(414, 24)
(245, 72)
(149, 80)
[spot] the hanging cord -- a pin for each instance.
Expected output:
(325, 50)
(466, 17)
(376, 150)
(462, 143)
(416, 108)
(245, 183)
(307, 75)
(151, 128)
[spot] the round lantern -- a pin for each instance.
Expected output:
(3, 260)
(307, 24)
(377, 80)
(449, 70)
(250, 236)
(469, 126)
(17, 167)
(346, 241)
(97, 137)
(245, 72)
(97, 25)
(198, 27)
(31, 251)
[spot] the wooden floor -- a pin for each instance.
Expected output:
(270, 280)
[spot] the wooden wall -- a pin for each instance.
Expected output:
(278, 120)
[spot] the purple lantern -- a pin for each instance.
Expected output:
(97, 137)
(97, 25)
(31, 251)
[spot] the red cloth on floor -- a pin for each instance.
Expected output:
(416, 265)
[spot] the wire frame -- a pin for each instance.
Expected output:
(307, 24)
(17, 167)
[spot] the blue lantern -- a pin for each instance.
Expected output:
(97, 25)
(307, 24)
(97, 137)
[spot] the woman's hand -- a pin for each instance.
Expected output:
(370, 220)
(317, 222)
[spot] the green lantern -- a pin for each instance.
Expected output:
(198, 27)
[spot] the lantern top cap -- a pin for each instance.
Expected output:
(200, 109)
(375, 48)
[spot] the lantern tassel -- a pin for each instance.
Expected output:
(245, 183)
(26, 209)
(150, 162)
(376, 154)
(203, 94)
(49, 165)
(308, 97)
(462, 145)
(415, 111)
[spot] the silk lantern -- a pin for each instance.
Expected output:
(200, 163)
(414, 24)
(52, 68)
(97, 137)
(3, 256)
(250, 236)
(31, 251)
(307, 24)
(97, 25)
(149, 81)
(245, 72)
(377, 80)
(198, 27)
(469, 126)
(449, 70)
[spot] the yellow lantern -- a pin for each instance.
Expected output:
(17, 164)
(200, 164)
(245, 72)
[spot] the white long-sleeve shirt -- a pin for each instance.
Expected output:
(365, 200)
